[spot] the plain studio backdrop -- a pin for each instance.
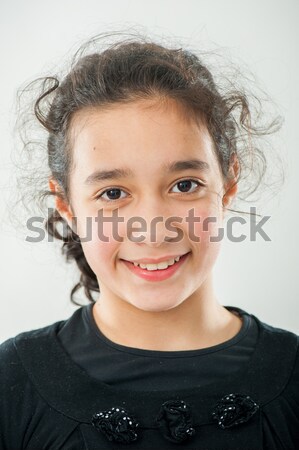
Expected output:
(259, 276)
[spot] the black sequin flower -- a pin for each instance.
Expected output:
(116, 424)
(234, 409)
(174, 421)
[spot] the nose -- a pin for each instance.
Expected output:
(156, 225)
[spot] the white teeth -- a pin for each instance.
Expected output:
(159, 266)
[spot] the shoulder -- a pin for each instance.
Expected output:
(10, 354)
(274, 365)
(273, 380)
(273, 329)
(268, 332)
(15, 374)
(279, 349)
(12, 370)
(8, 348)
(285, 346)
(280, 377)
(274, 343)
(286, 340)
(22, 404)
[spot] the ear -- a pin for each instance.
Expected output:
(61, 205)
(231, 187)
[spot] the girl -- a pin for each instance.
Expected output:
(145, 158)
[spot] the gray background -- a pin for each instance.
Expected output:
(260, 277)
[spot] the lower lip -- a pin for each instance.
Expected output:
(156, 275)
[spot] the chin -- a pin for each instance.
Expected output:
(151, 306)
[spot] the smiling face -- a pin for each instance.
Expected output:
(146, 161)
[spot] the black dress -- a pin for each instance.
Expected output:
(66, 386)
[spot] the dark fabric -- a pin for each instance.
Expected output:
(137, 369)
(48, 401)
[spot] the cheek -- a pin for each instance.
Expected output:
(207, 226)
(100, 240)
(100, 228)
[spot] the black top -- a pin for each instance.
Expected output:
(137, 369)
(48, 401)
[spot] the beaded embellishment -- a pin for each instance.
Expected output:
(117, 425)
(234, 409)
(175, 421)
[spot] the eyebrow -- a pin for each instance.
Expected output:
(176, 166)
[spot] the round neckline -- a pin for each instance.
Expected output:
(77, 395)
(81, 377)
(63, 393)
(245, 317)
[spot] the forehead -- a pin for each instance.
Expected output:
(142, 135)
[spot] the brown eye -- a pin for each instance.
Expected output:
(187, 186)
(112, 194)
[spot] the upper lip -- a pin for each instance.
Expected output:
(155, 261)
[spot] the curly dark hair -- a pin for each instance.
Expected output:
(125, 71)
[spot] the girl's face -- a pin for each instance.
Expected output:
(135, 166)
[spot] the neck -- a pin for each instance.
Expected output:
(198, 322)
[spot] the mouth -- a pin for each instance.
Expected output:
(157, 272)
(159, 264)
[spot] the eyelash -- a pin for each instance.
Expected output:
(199, 185)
